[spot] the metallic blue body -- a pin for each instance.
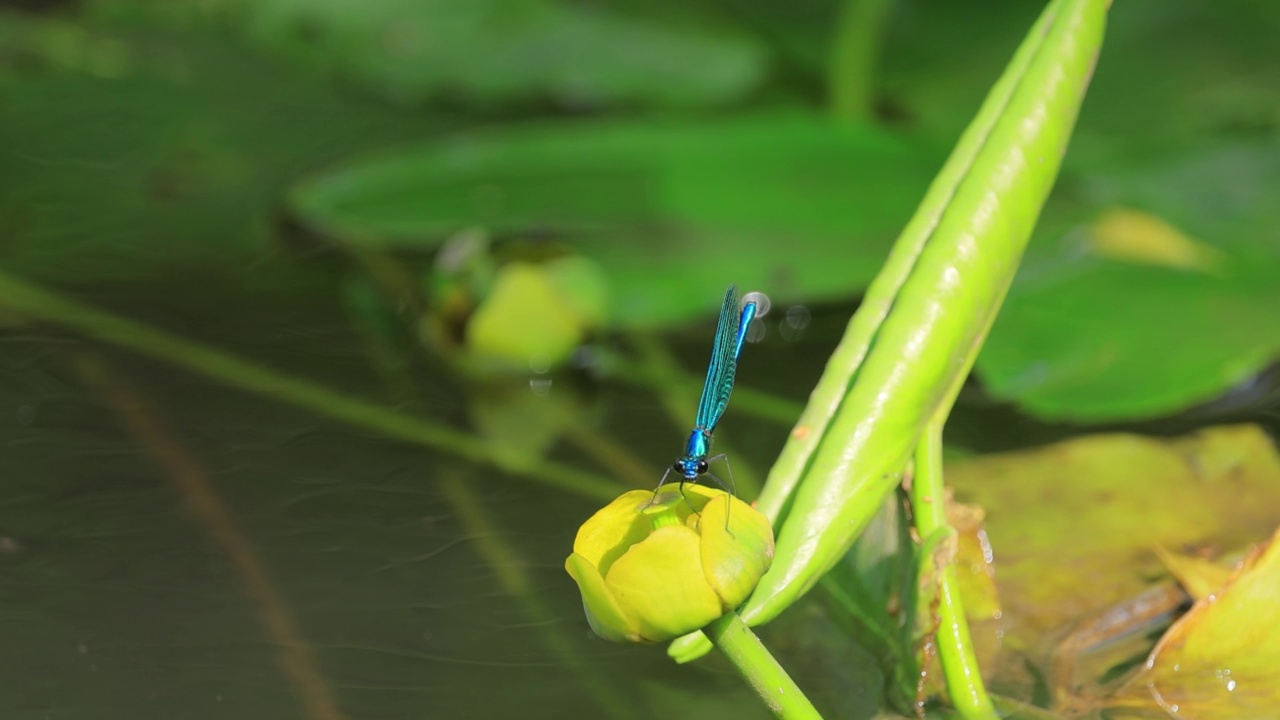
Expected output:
(731, 332)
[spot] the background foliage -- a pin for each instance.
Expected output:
(237, 172)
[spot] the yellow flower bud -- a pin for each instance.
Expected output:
(654, 567)
(524, 320)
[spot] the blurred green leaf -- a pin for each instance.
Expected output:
(1173, 75)
(137, 150)
(788, 203)
(1090, 338)
(488, 52)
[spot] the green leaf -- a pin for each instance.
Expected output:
(1180, 124)
(1172, 76)
(1088, 337)
(146, 150)
(665, 208)
(488, 52)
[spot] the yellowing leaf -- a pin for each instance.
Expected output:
(1137, 237)
(1218, 662)
(1072, 524)
(1199, 577)
(974, 561)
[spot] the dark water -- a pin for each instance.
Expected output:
(165, 540)
(174, 548)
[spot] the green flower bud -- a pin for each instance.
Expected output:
(654, 567)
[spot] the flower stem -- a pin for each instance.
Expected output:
(855, 50)
(955, 648)
(759, 668)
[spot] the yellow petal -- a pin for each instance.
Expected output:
(605, 536)
(607, 618)
(737, 548)
(686, 500)
(660, 583)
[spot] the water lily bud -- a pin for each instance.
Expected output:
(524, 321)
(654, 567)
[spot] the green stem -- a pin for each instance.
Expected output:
(854, 52)
(955, 648)
(37, 302)
(759, 668)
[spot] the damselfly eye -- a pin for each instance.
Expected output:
(702, 467)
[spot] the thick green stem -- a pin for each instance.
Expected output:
(36, 302)
(955, 648)
(926, 315)
(761, 670)
(855, 50)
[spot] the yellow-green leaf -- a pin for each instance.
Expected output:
(1218, 662)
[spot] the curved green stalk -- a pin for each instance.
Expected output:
(927, 314)
(955, 648)
(914, 338)
(760, 669)
(37, 302)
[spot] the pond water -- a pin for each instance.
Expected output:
(176, 548)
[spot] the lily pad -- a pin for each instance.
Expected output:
(488, 52)
(1139, 318)
(791, 204)
(1072, 524)
(1199, 577)
(150, 155)
(1218, 662)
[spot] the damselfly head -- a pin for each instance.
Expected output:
(690, 468)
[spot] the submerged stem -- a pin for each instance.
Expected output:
(36, 302)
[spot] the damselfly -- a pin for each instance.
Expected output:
(731, 331)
